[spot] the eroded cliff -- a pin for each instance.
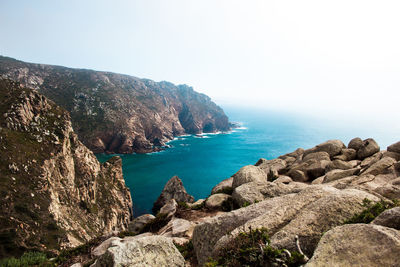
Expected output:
(119, 113)
(53, 192)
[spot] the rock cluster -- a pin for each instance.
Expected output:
(118, 113)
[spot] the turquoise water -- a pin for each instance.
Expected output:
(203, 162)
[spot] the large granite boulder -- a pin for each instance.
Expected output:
(272, 166)
(368, 148)
(389, 218)
(249, 174)
(169, 208)
(283, 215)
(380, 166)
(358, 245)
(145, 251)
(339, 174)
(347, 154)
(173, 189)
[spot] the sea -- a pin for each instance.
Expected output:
(202, 161)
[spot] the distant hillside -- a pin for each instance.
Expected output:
(119, 113)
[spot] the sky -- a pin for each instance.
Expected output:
(326, 58)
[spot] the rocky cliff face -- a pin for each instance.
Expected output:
(53, 192)
(119, 113)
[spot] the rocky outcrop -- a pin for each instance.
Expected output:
(358, 245)
(173, 189)
(54, 192)
(141, 251)
(119, 113)
(216, 201)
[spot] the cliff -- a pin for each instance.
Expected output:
(119, 113)
(54, 193)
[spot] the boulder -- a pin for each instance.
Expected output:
(347, 154)
(144, 251)
(137, 224)
(248, 174)
(355, 143)
(173, 189)
(371, 160)
(169, 208)
(178, 227)
(223, 186)
(332, 147)
(297, 175)
(380, 167)
(283, 179)
(248, 193)
(389, 218)
(217, 200)
(275, 213)
(339, 174)
(322, 155)
(394, 147)
(102, 248)
(272, 166)
(358, 245)
(198, 203)
(323, 214)
(368, 148)
(295, 154)
(251, 192)
(338, 164)
(390, 154)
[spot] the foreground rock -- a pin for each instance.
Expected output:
(56, 194)
(307, 214)
(173, 189)
(137, 224)
(144, 251)
(358, 245)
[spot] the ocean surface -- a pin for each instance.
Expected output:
(202, 162)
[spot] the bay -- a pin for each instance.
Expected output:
(202, 162)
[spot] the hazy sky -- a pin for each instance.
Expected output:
(320, 57)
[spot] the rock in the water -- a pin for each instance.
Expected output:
(216, 201)
(169, 208)
(394, 147)
(146, 251)
(137, 224)
(248, 174)
(173, 189)
(223, 186)
(368, 148)
(358, 245)
(389, 218)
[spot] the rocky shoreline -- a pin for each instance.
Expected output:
(331, 205)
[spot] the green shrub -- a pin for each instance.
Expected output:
(126, 233)
(183, 205)
(253, 249)
(200, 206)
(28, 259)
(371, 211)
(187, 250)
